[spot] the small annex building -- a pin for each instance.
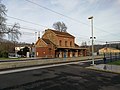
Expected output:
(56, 44)
(107, 50)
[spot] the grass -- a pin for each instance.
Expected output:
(9, 58)
(115, 62)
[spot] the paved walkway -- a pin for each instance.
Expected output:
(106, 67)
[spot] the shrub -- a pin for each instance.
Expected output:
(0, 54)
(4, 54)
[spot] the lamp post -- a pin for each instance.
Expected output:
(91, 18)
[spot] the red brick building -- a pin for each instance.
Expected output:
(58, 44)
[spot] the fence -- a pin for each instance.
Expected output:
(110, 57)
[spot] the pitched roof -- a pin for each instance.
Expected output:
(110, 48)
(47, 41)
(62, 33)
(76, 45)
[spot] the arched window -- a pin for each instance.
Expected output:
(65, 43)
(70, 43)
(60, 42)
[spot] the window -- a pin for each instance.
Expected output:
(65, 43)
(60, 42)
(70, 43)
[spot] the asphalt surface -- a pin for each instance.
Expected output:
(65, 77)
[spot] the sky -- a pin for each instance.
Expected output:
(75, 13)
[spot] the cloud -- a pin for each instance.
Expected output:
(106, 16)
(66, 5)
(91, 1)
(118, 1)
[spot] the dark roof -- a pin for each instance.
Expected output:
(47, 41)
(76, 45)
(61, 33)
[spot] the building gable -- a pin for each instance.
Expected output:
(41, 43)
(57, 36)
(51, 36)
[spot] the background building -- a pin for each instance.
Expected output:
(108, 50)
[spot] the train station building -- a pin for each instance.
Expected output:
(56, 44)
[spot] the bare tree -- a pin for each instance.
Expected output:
(64, 27)
(13, 32)
(2, 19)
(4, 29)
(60, 26)
(84, 44)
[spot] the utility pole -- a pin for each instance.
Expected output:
(91, 18)
(35, 44)
(89, 48)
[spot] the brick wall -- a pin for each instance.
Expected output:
(45, 52)
(65, 41)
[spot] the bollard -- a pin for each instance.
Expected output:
(104, 59)
(110, 57)
(119, 56)
(115, 57)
